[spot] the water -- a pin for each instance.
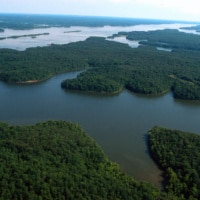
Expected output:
(118, 123)
(122, 39)
(65, 35)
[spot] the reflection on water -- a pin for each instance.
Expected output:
(118, 123)
(62, 35)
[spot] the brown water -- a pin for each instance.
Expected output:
(119, 123)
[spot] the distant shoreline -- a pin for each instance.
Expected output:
(21, 36)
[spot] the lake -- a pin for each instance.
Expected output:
(65, 35)
(118, 123)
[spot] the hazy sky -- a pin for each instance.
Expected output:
(157, 9)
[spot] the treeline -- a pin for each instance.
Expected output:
(143, 70)
(103, 80)
(113, 66)
(29, 21)
(196, 28)
(186, 91)
(114, 79)
(57, 160)
(39, 63)
(168, 38)
(178, 153)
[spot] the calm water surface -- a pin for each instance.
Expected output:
(119, 124)
(62, 35)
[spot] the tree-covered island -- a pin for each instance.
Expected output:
(114, 66)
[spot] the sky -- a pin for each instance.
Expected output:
(187, 10)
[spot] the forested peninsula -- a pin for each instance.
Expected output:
(57, 160)
(113, 66)
(178, 154)
(22, 36)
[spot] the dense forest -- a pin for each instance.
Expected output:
(114, 66)
(168, 38)
(39, 63)
(178, 153)
(145, 69)
(57, 160)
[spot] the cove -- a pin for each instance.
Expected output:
(118, 123)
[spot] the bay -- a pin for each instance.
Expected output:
(118, 123)
(24, 39)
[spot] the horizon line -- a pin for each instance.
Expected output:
(97, 16)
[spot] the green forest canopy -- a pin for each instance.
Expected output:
(114, 66)
(57, 160)
(178, 154)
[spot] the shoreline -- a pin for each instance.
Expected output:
(28, 82)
